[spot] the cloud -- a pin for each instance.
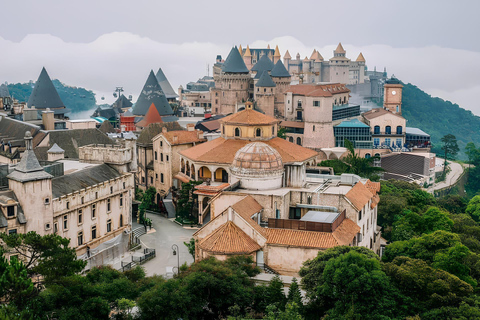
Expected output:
(125, 59)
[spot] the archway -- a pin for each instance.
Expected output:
(221, 175)
(193, 172)
(204, 173)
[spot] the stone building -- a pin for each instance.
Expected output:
(166, 158)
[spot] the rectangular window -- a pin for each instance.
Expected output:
(124, 185)
(80, 238)
(161, 156)
(121, 200)
(167, 157)
(65, 222)
(151, 180)
(68, 205)
(94, 211)
(10, 211)
(399, 143)
(12, 231)
(82, 200)
(55, 227)
(155, 155)
(111, 189)
(108, 205)
(94, 232)
(109, 225)
(316, 103)
(161, 177)
(360, 215)
(80, 217)
(376, 141)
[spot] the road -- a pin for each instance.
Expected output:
(165, 235)
(456, 170)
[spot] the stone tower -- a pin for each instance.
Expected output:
(282, 79)
(264, 92)
(392, 96)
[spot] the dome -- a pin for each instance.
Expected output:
(257, 157)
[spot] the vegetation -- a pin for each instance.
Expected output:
(187, 203)
(75, 98)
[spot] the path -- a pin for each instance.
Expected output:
(456, 170)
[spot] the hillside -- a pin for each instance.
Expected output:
(75, 98)
(439, 117)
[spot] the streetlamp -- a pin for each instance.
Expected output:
(176, 252)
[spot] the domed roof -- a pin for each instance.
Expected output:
(257, 158)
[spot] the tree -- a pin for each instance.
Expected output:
(186, 203)
(282, 133)
(49, 255)
(450, 148)
(15, 285)
(414, 224)
(361, 166)
(275, 295)
(295, 296)
(473, 154)
(191, 247)
(292, 312)
(473, 208)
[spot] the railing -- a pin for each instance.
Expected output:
(384, 133)
(147, 255)
(306, 225)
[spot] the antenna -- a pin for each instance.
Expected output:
(208, 70)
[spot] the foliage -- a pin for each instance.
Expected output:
(191, 247)
(468, 230)
(450, 146)
(282, 133)
(338, 166)
(15, 285)
(292, 312)
(49, 255)
(75, 98)
(473, 208)
(294, 295)
(186, 203)
(453, 203)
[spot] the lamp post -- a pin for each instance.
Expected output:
(176, 252)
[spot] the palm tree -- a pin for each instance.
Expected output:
(360, 166)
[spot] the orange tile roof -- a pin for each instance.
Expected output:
(246, 208)
(359, 195)
(318, 90)
(152, 116)
(340, 48)
(360, 58)
(249, 117)
(374, 187)
(343, 235)
(292, 124)
(182, 177)
(377, 112)
(229, 239)
(183, 137)
(223, 151)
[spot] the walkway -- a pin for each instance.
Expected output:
(456, 170)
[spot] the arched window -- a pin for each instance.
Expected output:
(376, 130)
(290, 139)
(273, 130)
(237, 132)
(398, 109)
(367, 155)
(399, 129)
(388, 130)
(258, 132)
(299, 141)
(377, 155)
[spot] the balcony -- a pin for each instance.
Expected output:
(390, 134)
(295, 224)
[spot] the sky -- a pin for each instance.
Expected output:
(103, 44)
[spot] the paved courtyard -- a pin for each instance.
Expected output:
(165, 235)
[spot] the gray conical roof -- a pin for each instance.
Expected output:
(264, 63)
(56, 149)
(234, 63)
(4, 91)
(44, 94)
(152, 93)
(265, 80)
(28, 169)
(279, 70)
(122, 103)
(165, 85)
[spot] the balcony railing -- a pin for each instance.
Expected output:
(384, 133)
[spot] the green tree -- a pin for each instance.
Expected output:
(292, 312)
(473, 208)
(49, 255)
(450, 148)
(414, 224)
(191, 247)
(282, 133)
(15, 285)
(275, 294)
(360, 166)
(473, 154)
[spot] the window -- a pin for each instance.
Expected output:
(399, 129)
(94, 232)
(258, 132)
(143, 179)
(367, 155)
(94, 211)
(313, 128)
(124, 185)
(299, 103)
(111, 189)
(82, 200)
(316, 103)
(68, 205)
(65, 222)
(151, 180)
(388, 130)
(295, 213)
(360, 215)
(96, 195)
(387, 141)
(237, 132)
(161, 177)
(398, 108)
(10, 211)
(376, 130)
(80, 238)
(161, 156)
(80, 217)
(47, 200)
(109, 225)
(121, 200)
(273, 130)
(108, 205)
(156, 176)
(290, 139)
(155, 155)
(161, 143)
(121, 220)
(376, 141)
(55, 227)
(167, 157)
(299, 141)
(12, 231)
(47, 226)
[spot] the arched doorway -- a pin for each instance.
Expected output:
(221, 175)
(204, 173)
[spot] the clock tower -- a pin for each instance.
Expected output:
(392, 95)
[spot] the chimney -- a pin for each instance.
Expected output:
(164, 130)
(190, 127)
(47, 120)
(29, 114)
(175, 139)
(199, 134)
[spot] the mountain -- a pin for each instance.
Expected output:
(75, 98)
(438, 117)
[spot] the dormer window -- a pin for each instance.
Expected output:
(11, 211)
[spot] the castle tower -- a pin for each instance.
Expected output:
(339, 66)
(282, 80)
(265, 94)
(361, 66)
(286, 60)
(392, 96)
(276, 56)
(33, 189)
(247, 58)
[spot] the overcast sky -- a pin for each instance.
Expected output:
(102, 44)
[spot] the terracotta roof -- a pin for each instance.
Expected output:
(229, 239)
(318, 90)
(248, 116)
(292, 124)
(223, 151)
(246, 208)
(213, 125)
(152, 116)
(377, 112)
(375, 201)
(360, 58)
(182, 177)
(343, 235)
(374, 187)
(359, 195)
(183, 137)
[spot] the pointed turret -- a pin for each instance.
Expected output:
(264, 63)
(312, 57)
(268, 47)
(152, 94)
(165, 85)
(318, 57)
(287, 55)
(247, 58)
(276, 56)
(240, 50)
(152, 116)
(234, 63)
(44, 94)
(279, 71)
(265, 80)
(306, 59)
(360, 58)
(340, 49)
(247, 52)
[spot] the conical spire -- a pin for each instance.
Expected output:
(234, 63)
(312, 57)
(265, 80)
(264, 63)
(340, 48)
(165, 85)
(277, 52)
(306, 59)
(152, 93)
(240, 50)
(44, 94)
(152, 116)
(28, 169)
(279, 70)
(360, 58)
(247, 52)
(268, 47)
(287, 55)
